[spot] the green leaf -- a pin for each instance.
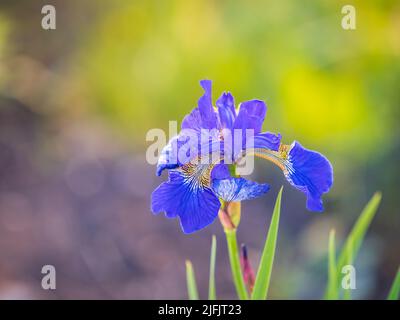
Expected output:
(211, 286)
(261, 284)
(191, 282)
(356, 236)
(395, 289)
(353, 242)
(332, 293)
(349, 261)
(235, 264)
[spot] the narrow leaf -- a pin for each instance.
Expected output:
(395, 290)
(211, 286)
(191, 282)
(332, 293)
(263, 277)
(349, 261)
(353, 242)
(356, 236)
(234, 260)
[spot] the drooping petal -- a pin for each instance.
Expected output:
(189, 145)
(238, 189)
(196, 206)
(168, 157)
(208, 115)
(226, 110)
(179, 150)
(267, 140)
(251, 115)
(310, 172)
(199, 211)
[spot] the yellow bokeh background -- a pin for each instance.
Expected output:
(76, 104)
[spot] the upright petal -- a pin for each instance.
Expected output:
(310, 172)
(208, 116)
(251, 115)
(238, 189)
(248, 123)
(226, 110)
(195, 205)
(192, 120)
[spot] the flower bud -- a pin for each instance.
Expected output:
(229, 215)
(248, 273)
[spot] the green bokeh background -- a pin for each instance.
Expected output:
(135, 65)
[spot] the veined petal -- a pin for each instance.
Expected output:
(226, 110)
(238, 189)
(306, 170)
(187, 146)
(310, 172)
(251, 115)
(179, 150)
(242, 131)
(168, 158)
(192, 120)
(249, 120)
(208, 115)
(256, 108)
(187, 194)
(220, 171)
(267, 140)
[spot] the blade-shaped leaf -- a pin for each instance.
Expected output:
(395, 289)
(349, 261)
(191, 282)
(332, 293)
(211, 286)
(353, 242)
(261, 285)
(356, 236)
(234, 260)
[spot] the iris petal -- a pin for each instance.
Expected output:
(226, 110)
(267, 140)
(251, 115)
(192, 120)
(238, 189)
(196, 206)
(220, 171)
(179, 150)
(249, 120)
(208, 116)
(167, 159)
(310, 172)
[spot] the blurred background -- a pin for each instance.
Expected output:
(76, 103)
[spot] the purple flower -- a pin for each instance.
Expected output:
(212, 138)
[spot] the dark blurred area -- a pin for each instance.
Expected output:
(76, 103)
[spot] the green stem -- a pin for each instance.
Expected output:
(235, 264)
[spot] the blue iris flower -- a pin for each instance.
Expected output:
(195, 187)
